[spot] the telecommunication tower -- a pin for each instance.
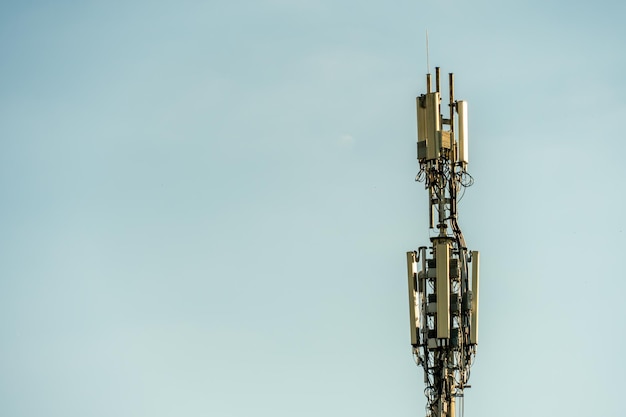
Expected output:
(443, 277)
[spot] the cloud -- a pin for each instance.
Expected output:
(346, 140)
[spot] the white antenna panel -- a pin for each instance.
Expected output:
(413, 318)
(463, 139)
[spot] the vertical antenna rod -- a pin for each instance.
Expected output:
(427, 65)
(427, 55)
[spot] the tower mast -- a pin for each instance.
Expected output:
(443, 277)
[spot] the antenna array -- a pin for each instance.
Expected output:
(443, 278)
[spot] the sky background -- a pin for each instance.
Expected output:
(206, 205)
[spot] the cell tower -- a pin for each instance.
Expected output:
(443, 295)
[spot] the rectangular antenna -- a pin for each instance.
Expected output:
(442, 289)
(475, 288)
(461, 108)
(428, 126)
(411, 266)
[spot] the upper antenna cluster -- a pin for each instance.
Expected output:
(433, 139)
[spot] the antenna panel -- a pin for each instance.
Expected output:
(428, 126)
(461, 107)
(475, 281)
(412, 275)
(442, 289)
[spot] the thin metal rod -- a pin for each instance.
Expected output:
(428, 83)
(427, 55)
(437, 79)
(431, 215)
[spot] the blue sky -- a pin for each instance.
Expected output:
(206, 205)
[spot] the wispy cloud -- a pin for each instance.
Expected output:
(346, 140)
